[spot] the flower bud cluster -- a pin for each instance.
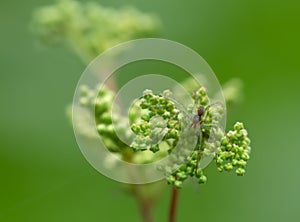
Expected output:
(170, 123)
(187, 170)
(159, 122)
(200, 96)
(102, 109)
(234, 151)
(230, 151)
(89, 28)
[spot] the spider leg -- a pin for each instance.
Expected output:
(214, 104)
(207, 111)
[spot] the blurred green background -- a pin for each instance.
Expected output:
(44, 177)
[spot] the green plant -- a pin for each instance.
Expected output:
(230, 151)
(89, 29)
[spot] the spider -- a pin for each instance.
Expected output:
(197, 120)
(198, 117)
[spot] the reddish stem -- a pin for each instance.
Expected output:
(145, 204)
(173, 203)
(146, 211)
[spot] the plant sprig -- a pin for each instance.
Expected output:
(229, 150)
(90, 28)
(158, 122)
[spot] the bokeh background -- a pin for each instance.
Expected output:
(44, 177)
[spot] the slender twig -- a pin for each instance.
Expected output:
(173, 203)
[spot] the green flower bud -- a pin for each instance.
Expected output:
(105, 118)
(147, 93)
(202, 179)
(219, 160)
(240, 171)
(202, 91)
(135, 128)
(154, 149)
(238, 126)
(242, 163)
(166, 115)
(145, 117)
(224, 141)
(170, 179)
(167, 93)
(144, 105)
(234, 162)
(189, 170)
(102, 128)
(245, 156)
(84, 101)
(181, 175)
(228, 166)
(160, 112)
(154, 101)
(84, 90)
(144, 126)
(244, 132)
(178, 184)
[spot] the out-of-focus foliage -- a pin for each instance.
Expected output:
(90, 28)
(233, 92)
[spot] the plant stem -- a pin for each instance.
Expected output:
(173, 202)
(145, 204)
(146, 211)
